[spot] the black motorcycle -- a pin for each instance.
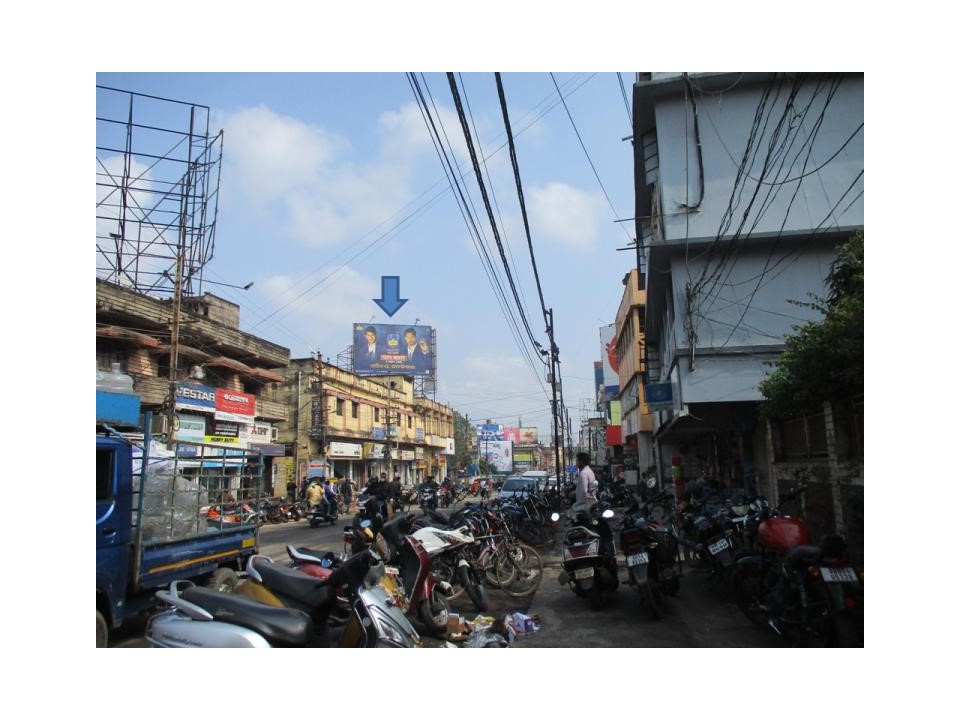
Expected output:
(589, 555)
(653, 560)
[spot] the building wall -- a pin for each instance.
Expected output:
(725, 124)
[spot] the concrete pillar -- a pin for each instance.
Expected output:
(833, 465)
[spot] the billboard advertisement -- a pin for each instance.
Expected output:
(489, 432)
(528, 436)
(393, 350)
(498, 453)
(511, 433)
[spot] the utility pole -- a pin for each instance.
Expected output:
(554, 364)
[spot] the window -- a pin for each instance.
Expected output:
(376, 414)
(105, 464)
(354, 409)
(409, 421)
(339, 406)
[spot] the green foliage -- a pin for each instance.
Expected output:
(463, 432)
(824, 359)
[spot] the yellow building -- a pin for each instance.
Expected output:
(636, 419)
(357, 427)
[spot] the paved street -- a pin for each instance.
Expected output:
(695, 617)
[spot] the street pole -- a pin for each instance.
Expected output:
(554, 362)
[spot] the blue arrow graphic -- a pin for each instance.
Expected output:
(390, 300)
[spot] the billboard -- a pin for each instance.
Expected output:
(489, 432)
(511, 433)
(528, 436)
(394, 350)
(498, 453)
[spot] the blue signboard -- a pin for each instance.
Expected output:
(658, 396)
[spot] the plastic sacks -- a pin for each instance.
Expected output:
(484, 634)
(171, 502)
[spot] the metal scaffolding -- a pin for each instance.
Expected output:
(158, 180)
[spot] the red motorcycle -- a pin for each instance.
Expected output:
(806, 593)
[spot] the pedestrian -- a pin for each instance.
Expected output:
(346, 489)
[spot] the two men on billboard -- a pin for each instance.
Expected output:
(392, 350)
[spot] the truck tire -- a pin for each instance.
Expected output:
(223, 580)
(102, 631)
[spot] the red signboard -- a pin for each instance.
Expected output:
(614, 435)
(236, 403)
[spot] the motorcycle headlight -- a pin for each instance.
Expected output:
(389, 634)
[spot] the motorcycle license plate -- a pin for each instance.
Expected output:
(582, 573)
(638, 559)
(719, 546)
(844, 574)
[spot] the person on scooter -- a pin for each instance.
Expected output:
(314, 493)
(328, 505)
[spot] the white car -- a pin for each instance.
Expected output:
(520, 485)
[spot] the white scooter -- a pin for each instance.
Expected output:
(199, 617)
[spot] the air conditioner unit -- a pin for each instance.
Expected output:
(160, 425)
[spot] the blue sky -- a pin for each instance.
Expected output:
(319, 169)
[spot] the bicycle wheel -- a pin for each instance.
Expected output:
(496, 568)
(527, 565)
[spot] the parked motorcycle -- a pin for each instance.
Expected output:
(453, 561)
(652, 556)
(199, 617)
(589, 556)
(809, 594)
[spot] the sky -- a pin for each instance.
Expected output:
(330, 182)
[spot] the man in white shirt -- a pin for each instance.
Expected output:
(586, 496)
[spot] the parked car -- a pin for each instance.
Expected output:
(517, 485)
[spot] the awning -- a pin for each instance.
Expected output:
(139, 339)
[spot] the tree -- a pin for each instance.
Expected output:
(824, 359)
(463, 433)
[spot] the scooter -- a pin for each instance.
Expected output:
(199, 617)
(589, 556)
(324, 512)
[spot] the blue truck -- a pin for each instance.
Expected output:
(153, 513)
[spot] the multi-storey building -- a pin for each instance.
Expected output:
(636, 420)
(358, 427)
(746, 183)
(223, 390)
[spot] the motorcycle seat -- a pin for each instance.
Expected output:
(280, 626)
(803, 555)
(304, 554)
(295, 585)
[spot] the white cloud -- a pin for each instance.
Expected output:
(323, 314)
(566, 215)
(302, 181)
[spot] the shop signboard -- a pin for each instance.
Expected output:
(190, 428)
(373, 451)
(235, 406)
(201, 398)
(345, 450)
